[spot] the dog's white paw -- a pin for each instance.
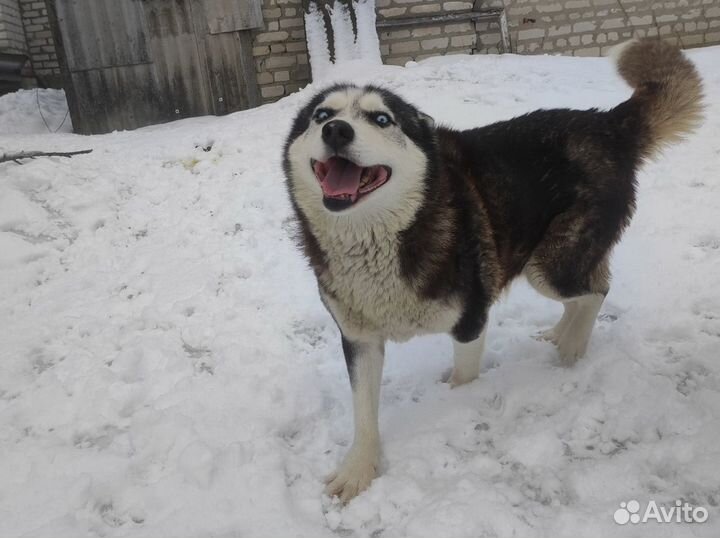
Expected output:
(549, 335)
(571, 348)
(353, 476)
(458, 378)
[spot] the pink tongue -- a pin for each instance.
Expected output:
(343, 178)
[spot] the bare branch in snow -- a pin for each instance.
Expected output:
(17, 157)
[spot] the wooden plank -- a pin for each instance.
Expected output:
(487, 15)
(132, 63)
(102, 33)
(505, 33)
(247, 73)
(231, 71)
(227, 64)
(116, 98)
(179, 73)
(230, 15)
(78, 120)
(496, 15)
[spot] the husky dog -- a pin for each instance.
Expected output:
(412, 228)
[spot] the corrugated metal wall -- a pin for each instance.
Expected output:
(130, 63)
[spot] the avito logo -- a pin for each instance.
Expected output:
(680, 512)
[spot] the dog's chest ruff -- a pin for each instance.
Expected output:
(364, 288)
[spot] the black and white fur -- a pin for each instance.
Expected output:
(545, 195)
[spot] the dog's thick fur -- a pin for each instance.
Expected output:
(545, 195)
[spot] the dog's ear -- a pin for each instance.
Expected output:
(427, 120)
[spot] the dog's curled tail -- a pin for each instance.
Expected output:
(668, 89)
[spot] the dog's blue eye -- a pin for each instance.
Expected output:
(322, 115)
(383, 120)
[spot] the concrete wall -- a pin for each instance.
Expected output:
(12, 35)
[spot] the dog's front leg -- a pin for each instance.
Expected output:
(467, 357)
(365, 363)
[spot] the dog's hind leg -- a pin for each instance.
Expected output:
(360, 467)
(553, 335)
(574, 339)
(582, 296)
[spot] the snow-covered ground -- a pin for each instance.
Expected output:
(167, 369)
(23, 112)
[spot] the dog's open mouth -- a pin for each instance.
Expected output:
(344, 183)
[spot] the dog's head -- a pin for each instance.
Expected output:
(358, 152)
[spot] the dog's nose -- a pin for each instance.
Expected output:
(337, 134)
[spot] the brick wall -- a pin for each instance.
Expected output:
(590, 27)
(401, 45)
(579, 27)
(41, 45)
(12, 36)
(571, 27)
(281, 56)
(279, 49)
